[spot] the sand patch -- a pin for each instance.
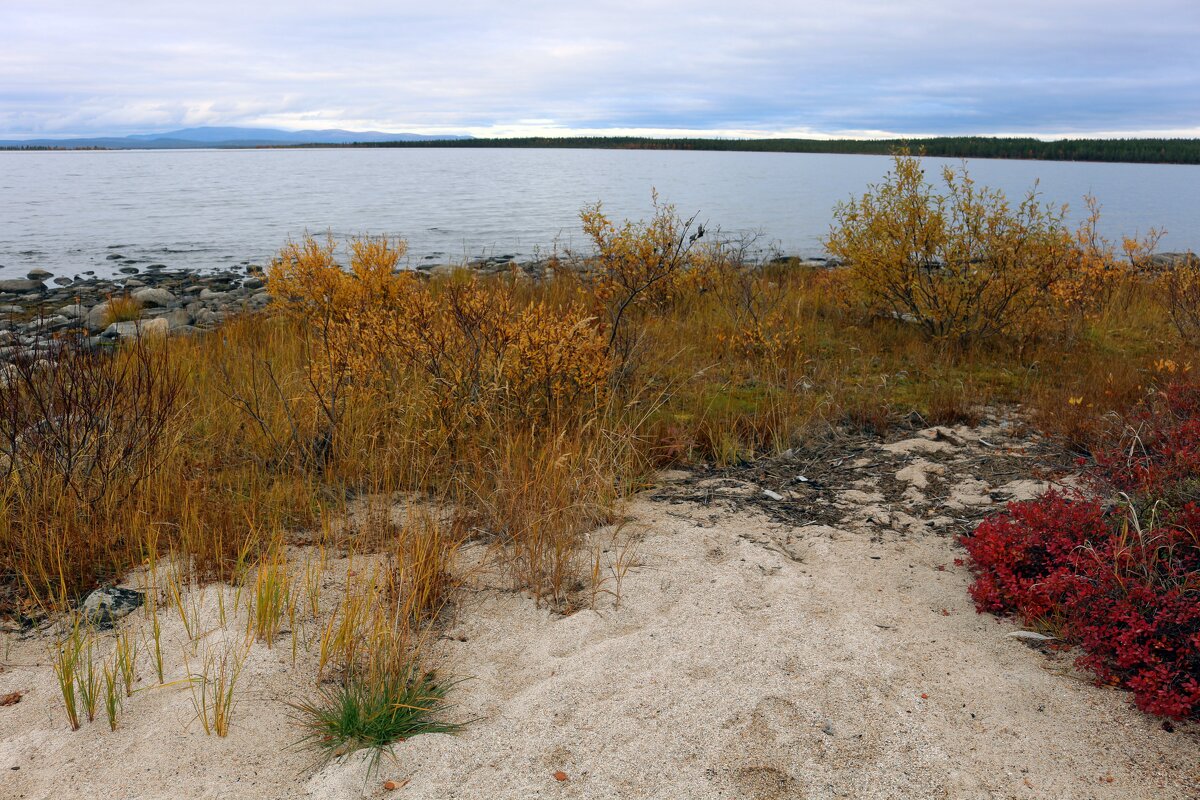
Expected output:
(748, 657)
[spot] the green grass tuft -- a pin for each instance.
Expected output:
(373, 713)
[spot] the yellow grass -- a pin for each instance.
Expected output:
(122, 308)
(516, 413)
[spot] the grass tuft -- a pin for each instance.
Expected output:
(122, 308)
(213, 689)
(374, 714)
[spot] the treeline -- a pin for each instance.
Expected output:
(1148, 151)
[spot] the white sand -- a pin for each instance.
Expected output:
(746, 659)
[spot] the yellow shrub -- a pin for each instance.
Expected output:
(558, 364)
(1181, 294)
(342, 308)
(639, 264)
(761, 324)
(964, 263)
(493, 394)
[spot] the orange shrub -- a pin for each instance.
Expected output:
(639, 264)
(463, 349)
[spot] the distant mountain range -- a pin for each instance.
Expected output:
(227, 137)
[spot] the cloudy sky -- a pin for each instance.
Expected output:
(747, 67)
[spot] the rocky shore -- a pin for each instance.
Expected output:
(40, 311)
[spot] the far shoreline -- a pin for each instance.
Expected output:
(1168, 151)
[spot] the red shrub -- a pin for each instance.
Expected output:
(1145, 638)
(1024, 557)
(1124, 584)
(1188, 519)
(1159, 456)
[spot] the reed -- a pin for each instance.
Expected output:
(87, 678)
(214, 689)
(314, 570)
(66, 659)
(112, 694)
(271, 600)
(155, 644)
(126, 655)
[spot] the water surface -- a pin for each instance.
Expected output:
(67, 212)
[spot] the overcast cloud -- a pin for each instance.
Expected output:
(748, 67)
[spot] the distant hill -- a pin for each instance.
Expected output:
(227, 137)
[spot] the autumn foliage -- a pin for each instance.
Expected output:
(1122, 583)
(1180, 284)
(445, 377)
(965, 263)
(528, 408)
(466, 349)
(641, 267)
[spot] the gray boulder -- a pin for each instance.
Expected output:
(38, 275)
(18, 285)
(50, 323)
(104, 607)
(206, 317)
(178, 318)
(95, 318)
(153, 297)
(1169, 261)
(137, 329)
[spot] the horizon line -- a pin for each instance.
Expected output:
(645, 133)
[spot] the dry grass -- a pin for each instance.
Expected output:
(509, 412)
(122, 308)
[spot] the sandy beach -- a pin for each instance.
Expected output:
(748, 657)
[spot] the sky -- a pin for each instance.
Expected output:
(744, 68)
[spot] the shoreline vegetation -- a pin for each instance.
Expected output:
(329, 489)
(1180, 151)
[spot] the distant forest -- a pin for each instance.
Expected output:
(1143, 151)
(1147, 151)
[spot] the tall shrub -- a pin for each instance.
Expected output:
(962, 261)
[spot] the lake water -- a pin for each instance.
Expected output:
(68, 211)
